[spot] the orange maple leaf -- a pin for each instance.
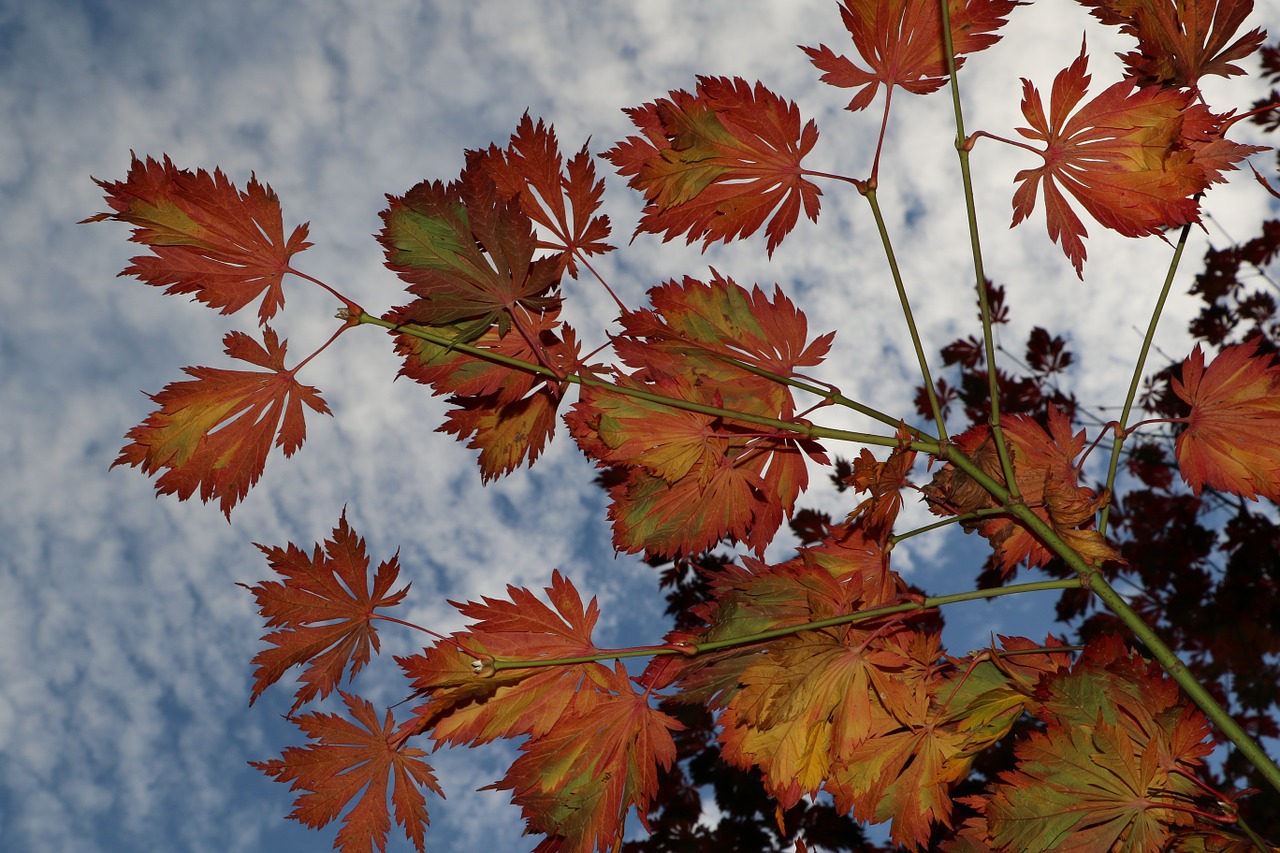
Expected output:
(1180, 42)
(715, 164)
(1232, 439)
(901, 42)
(576, 783)
(507, 413)
(1134, 158)
(531, 167)
(346, 759)
(467, 252)
(464, 708)
(209, 239)
(214, 432)
(1045, 470)
(324, 610)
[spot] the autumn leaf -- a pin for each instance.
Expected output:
(1232, 439)
(209, 239)
(1045, 470)
(514, 701)
(346, 759)
(576, 783)
(716, 164)
(1134, 158)
(467, 251)
(1178, 43)
(532, 168)
(1113, 765)
(324, 609)
(693, 478)
(901, 43)
(884, 482)
(213, 432)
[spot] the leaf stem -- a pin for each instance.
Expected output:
(1138, 368)
(979, 271)
(588, 379)
(921, 359)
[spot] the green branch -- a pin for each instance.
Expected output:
(803, 429)
(694, 649)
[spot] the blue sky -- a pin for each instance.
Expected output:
(124, 642)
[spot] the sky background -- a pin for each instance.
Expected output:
(124, 641)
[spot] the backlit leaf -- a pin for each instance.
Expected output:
(324, 609)
(209, 239)
(1232, 439)
(716, 164)
(901, 43)
(213, 432)
(1134, 158)
(349, 758)
(1180, 42)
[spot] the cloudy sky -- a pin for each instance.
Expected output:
(124, 642)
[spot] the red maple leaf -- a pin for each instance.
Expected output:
(1232, 439)
(469, 708)
(209, 239)
(1045, 469)
(576, 783)
(324, 609)
(1134, 158)
(507, 413)
(901, 42)
(346, 759)
(531, 167)
(694, 478)
(214, 432)
(1178, 43)
(467, 251)
(716, 164)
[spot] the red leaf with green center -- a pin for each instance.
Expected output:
(1178, 43)
(532, 167)
(324, 609)
(467, 252)
(213, 432)
(1045, 470)
(349, 758)
(716, 164)
(1134, 158)
(468, 702)
(576, 783)
(209, 239)
(507, 413)
(1232, 439)
(901, 42)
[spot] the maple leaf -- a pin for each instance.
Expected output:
(1232, 439)
(224, 246)
(1134, 158)
(1044, 468)
(692, 478)
(466, 251)
(1178, 43)
(884, 481)
(213, 432)
(508, 414)
(324, 609)
(510, 702)
(1113, 765)
(715, 164)
(531, 167)
(350, 757)
(901, 42)
(577, 782)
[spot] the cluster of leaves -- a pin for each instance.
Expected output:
(823, 674)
